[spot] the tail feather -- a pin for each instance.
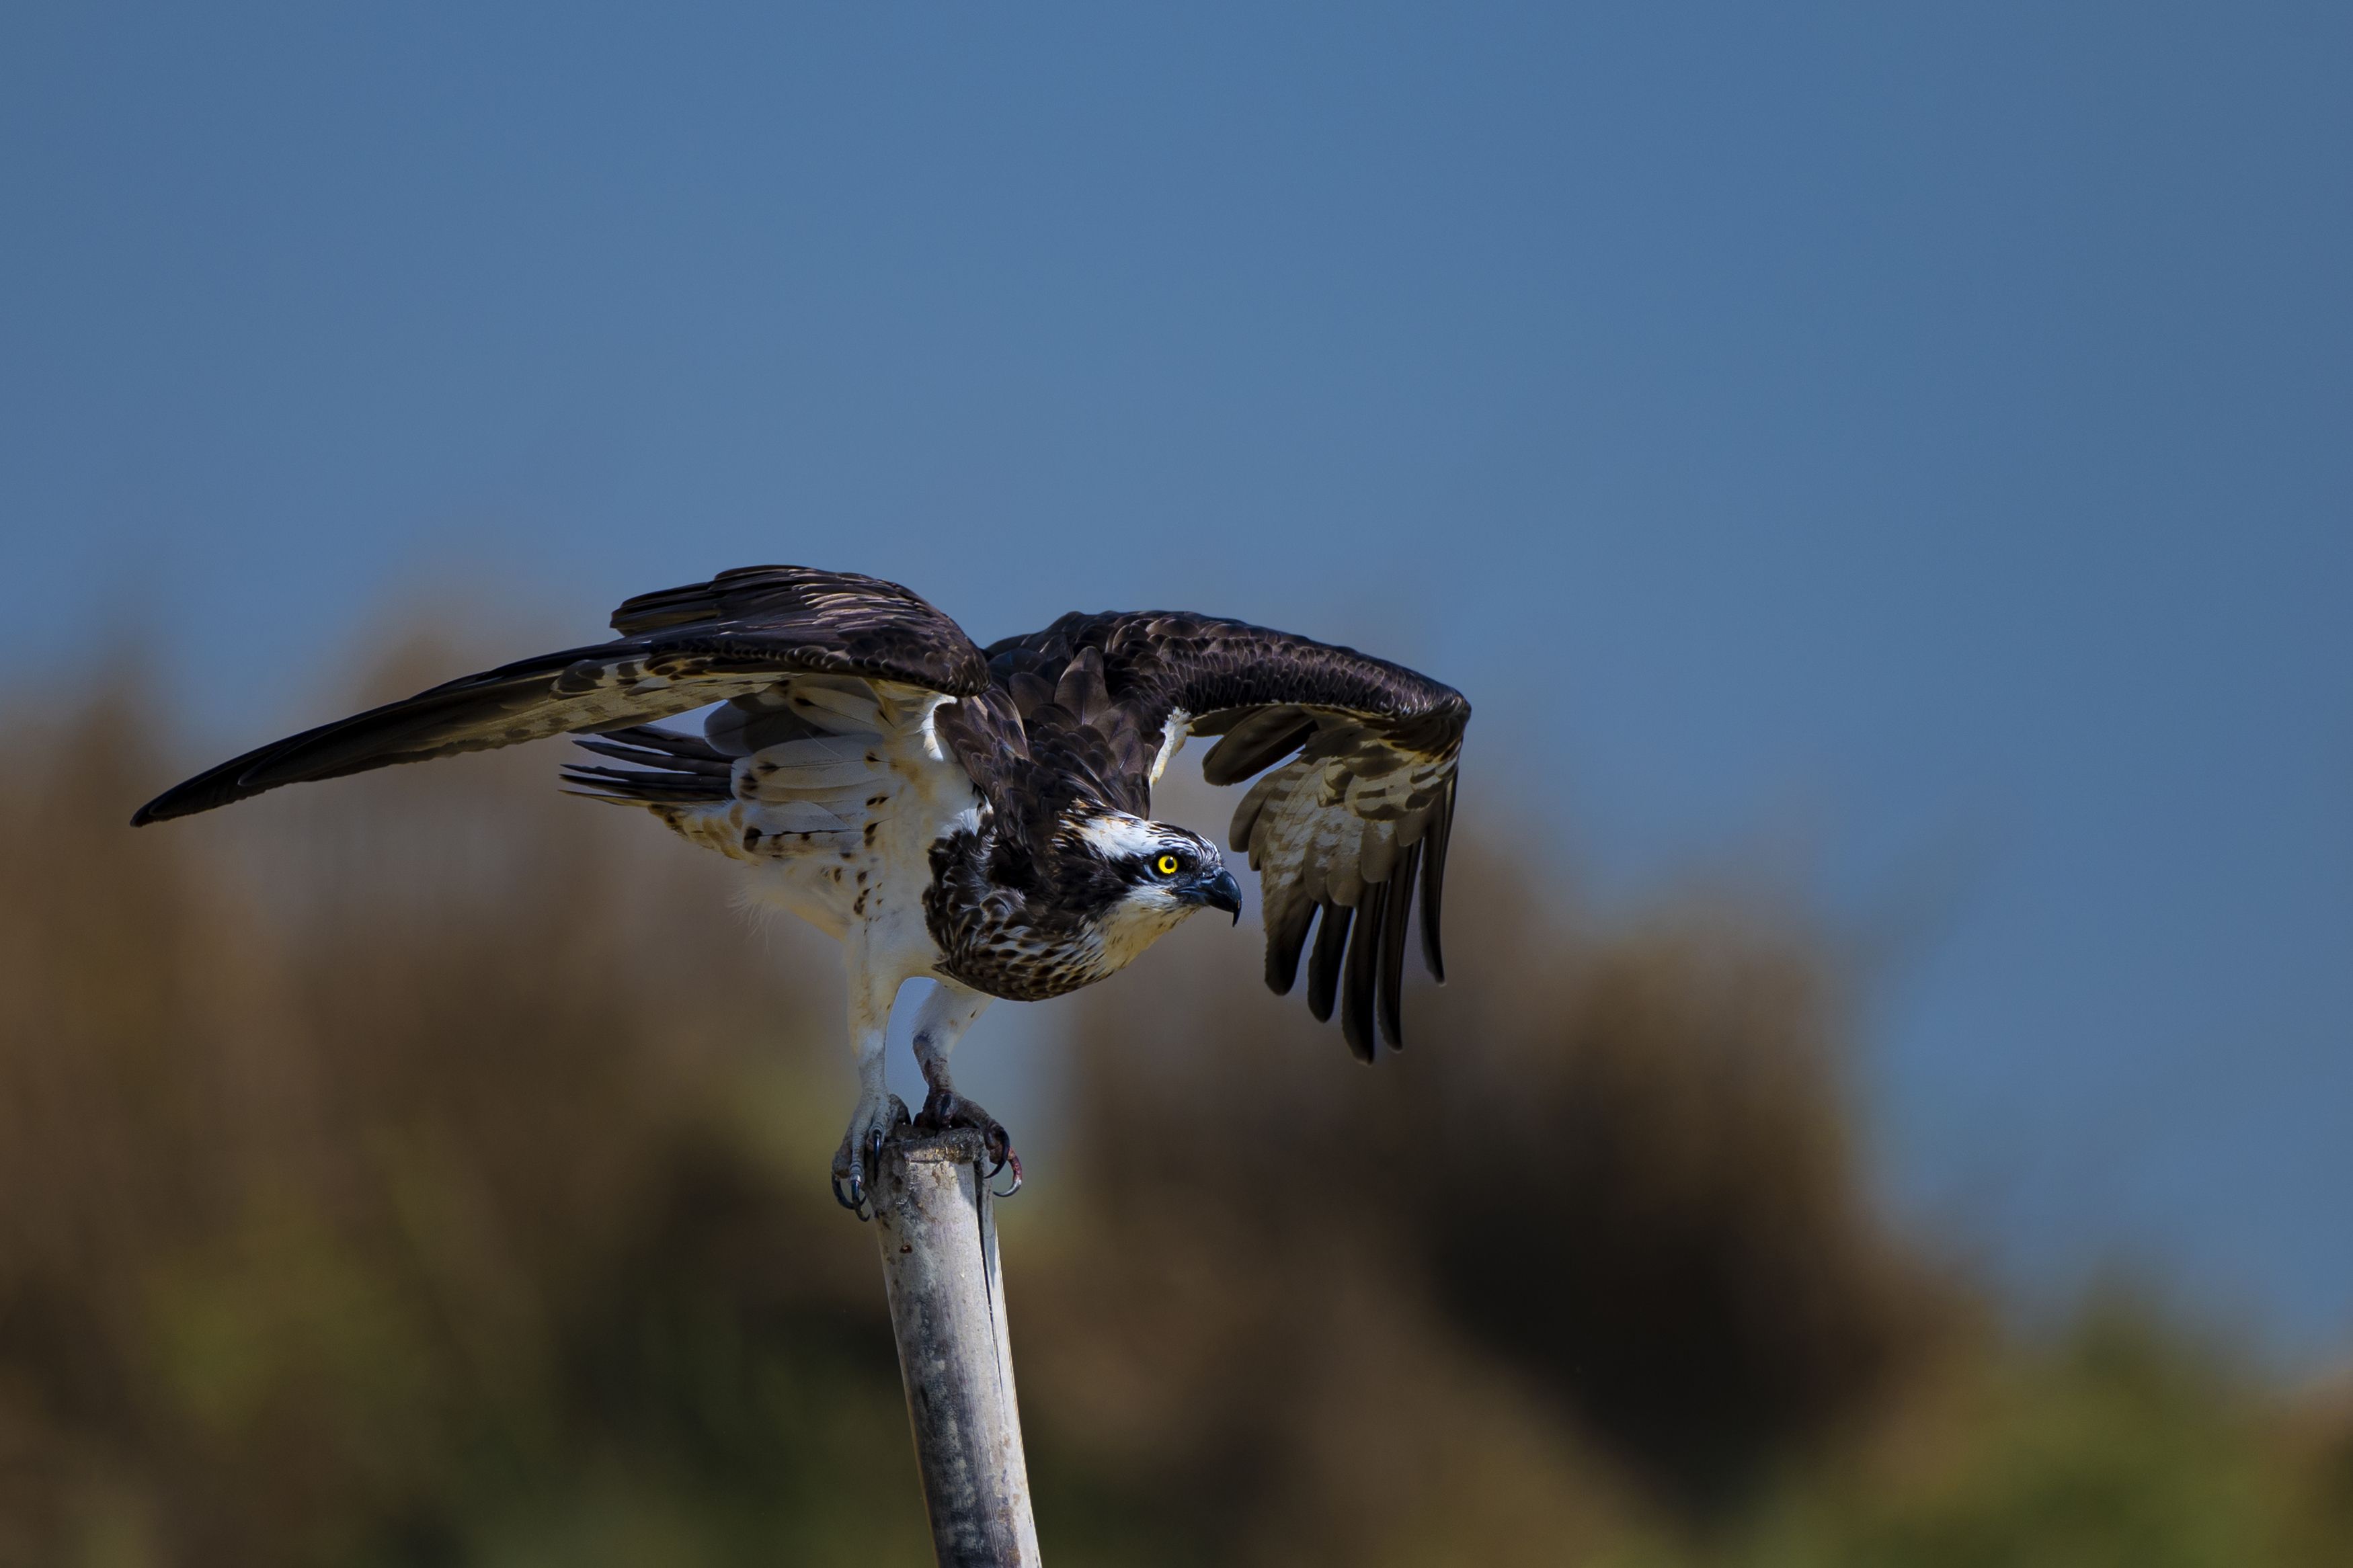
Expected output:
(646, 746)
(665, 769)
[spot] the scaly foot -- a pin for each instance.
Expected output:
(944, 1108)
(854, 1161)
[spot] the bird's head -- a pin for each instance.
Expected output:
(1148, 876)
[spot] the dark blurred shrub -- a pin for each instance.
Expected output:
(383, 1178)
(2127, 1444)
(1614, 1173)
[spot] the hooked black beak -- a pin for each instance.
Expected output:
(1221, 892)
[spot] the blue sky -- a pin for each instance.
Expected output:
(1903, 457)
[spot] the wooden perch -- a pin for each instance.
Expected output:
(938, 1234)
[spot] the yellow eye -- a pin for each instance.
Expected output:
(1166, 865)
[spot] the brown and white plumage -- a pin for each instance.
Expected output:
(978, 818)
(1358, 803)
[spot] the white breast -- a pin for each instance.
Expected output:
(837, 826)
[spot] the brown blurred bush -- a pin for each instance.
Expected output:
(422, 1169)
(384, 1171)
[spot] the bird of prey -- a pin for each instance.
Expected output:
(978, 818)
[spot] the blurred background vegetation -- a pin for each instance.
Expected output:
(422, 1169)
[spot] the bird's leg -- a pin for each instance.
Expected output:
(879, 1110)
(946, 1013)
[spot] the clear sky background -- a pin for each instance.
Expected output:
(1908, 459)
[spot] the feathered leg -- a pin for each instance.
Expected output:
(879, 1110)
(947, 1013)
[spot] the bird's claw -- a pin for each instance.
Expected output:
(861, 1152)
(943, 1109)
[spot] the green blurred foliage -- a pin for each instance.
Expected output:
(422, 1170)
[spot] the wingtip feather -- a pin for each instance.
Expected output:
(1433, 887)
(1323, 962)
(1363, 980)
(1397, 900)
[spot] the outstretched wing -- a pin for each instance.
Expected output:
(1354, 815)
(678, 649)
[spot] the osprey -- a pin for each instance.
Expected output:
(977, 818)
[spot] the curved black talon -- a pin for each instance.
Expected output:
(858, 1156)
(856, 1200)
(1013, 1160)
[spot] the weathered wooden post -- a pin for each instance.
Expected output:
(938, 1233)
